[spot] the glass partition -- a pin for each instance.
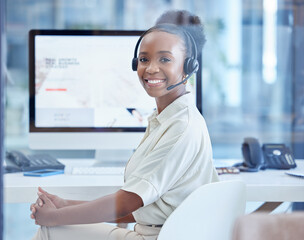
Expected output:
(252, 68)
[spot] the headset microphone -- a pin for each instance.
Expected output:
(184, 80)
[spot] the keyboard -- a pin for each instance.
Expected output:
(98, 170)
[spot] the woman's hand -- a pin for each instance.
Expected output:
(44, 214)
(57, 201)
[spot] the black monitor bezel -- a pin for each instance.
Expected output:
(33, 33)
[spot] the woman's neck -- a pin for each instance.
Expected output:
(164, 101)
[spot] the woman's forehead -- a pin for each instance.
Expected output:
(162, 39)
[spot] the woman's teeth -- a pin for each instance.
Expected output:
(155, 81)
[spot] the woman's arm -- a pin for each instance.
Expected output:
(57, 201)
(127, 219)
(73, 202)
(112, 208)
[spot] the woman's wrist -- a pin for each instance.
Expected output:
(67, 203)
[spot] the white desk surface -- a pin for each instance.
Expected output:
(272, 185)
(263, 186)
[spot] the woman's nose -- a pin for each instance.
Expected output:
(152, 67)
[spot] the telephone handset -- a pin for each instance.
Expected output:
(18, 162)
(275, 156)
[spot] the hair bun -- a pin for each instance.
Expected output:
(191, 23)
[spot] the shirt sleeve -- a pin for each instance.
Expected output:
(165, 164)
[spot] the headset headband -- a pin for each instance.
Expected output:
(194, 47)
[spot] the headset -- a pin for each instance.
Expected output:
(191, 64)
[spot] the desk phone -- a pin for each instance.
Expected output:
(272, 155)
(19, 162)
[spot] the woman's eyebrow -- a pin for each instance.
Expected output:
(159, 52)
(165, 52)
(142, 53)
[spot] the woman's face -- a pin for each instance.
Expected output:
(160, 64)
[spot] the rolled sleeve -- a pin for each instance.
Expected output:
(142, 188)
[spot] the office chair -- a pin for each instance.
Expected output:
(207, 213)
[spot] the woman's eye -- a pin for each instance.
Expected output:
(143, 59)
(164, 59)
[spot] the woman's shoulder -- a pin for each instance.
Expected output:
(196, 125)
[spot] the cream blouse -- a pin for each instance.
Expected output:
(173, 159)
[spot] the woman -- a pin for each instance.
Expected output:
(173, 159)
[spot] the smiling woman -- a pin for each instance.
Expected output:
(173, 159)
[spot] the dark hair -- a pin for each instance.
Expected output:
(188, 22)
(175, 30)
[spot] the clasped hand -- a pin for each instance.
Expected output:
(44, 209)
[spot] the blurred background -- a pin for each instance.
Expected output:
(253, 79)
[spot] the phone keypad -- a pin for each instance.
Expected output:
(278, 156)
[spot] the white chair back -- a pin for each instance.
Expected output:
(207, 213)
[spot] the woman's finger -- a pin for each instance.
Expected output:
(32, 205)
(43, 191)
(40, 202)
(44, 198)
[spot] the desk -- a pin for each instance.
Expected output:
(264, 186)
(18, 189)
(271, 185)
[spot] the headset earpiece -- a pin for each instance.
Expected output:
(134, 64)
(190, 65)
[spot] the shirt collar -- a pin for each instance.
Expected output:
(174, 107)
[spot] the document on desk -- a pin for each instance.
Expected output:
(295, 174)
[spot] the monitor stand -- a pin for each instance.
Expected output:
(112, 158)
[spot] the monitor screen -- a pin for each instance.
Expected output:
(82, 81)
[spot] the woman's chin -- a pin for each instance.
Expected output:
(153, 94)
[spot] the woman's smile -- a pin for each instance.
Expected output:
(154, 82)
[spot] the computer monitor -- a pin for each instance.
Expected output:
(83, 92)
